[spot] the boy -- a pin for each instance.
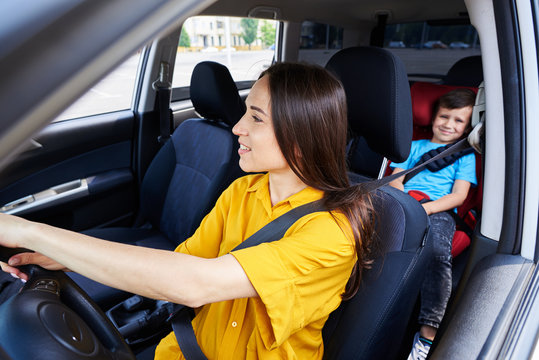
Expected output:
(447, 188)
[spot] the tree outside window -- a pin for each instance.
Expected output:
(250, 27)
(267, 33)
(184, 39)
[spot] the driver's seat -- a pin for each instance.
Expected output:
(372, 325)
(186, 176)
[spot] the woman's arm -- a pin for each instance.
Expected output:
(450, 201)
(157, 274)
(397, 183)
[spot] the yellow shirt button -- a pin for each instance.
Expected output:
(234, 324)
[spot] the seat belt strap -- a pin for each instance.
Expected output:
(375, 184)
(444, 162)
(275, 230)
(185, 334)
(163, 98)
(163, 89)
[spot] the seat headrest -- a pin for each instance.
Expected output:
(424, 96)
(467, 71)
(214, 93)
(378, 96)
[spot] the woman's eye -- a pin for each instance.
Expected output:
(257, 119)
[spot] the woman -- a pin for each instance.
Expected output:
(266, 301)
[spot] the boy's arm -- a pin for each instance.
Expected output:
(450, 201)
(397, 183)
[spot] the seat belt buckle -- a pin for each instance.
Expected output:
(419, 196)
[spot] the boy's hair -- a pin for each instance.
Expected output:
(455, 99)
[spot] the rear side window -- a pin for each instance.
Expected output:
(112, 93)
(319, 42)
(245, 45)
(429, 49)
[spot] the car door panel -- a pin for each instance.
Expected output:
(79, 165)
(488, 295)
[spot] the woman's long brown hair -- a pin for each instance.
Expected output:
(309, 116)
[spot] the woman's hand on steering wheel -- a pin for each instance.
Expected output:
(27, 258)
(13, 231)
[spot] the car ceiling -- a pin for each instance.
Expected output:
(347, 13)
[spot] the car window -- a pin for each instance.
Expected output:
(245, 45)
(429, 49)
(112, 93)
(319, 42)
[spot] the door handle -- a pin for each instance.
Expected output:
(55, 195)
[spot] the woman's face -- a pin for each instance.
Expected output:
(259, 151)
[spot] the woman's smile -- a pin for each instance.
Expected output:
(243, 149)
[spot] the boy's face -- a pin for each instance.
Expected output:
(450, 124)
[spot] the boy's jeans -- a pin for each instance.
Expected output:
(436, 287)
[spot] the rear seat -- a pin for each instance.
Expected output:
(467, 71)
(424, 95)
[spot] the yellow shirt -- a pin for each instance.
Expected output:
(299, 278)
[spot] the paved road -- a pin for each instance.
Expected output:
(114, 92)
(243, 65)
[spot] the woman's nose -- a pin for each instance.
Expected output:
(239, 129)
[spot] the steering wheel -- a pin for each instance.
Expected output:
(53, 318)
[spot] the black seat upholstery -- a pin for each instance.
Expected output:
(467, 71)
(186, 176)
(373, 323)
(379, 107)
(190, 172)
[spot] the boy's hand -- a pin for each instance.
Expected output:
(397, 183)
(427, 208)
(450, 201)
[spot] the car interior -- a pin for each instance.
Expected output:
(146, 167)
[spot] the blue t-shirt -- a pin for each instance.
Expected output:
(439, 183)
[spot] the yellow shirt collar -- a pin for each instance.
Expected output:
(261, 187)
